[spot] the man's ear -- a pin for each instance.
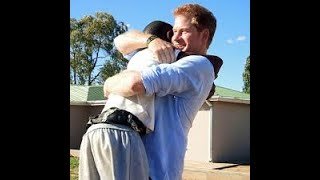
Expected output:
(205, 35)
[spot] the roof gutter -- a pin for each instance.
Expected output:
(230, 99)
(88, 103)
(97, 102)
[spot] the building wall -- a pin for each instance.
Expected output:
(198, 137)
(231, 132)
(230, 137)
(78, 119)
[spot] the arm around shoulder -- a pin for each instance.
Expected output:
(131, 41)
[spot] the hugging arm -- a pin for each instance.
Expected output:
(127, 83)
(188, 76)
(133, 40)
(130, 41)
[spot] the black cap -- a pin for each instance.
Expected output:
(161, 29)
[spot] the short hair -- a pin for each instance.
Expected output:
(202, 18)
(161, 29)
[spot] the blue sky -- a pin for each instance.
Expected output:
(231, 41)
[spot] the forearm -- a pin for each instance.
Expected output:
(127, 83)
(130, 41)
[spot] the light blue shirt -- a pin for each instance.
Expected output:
(180, 88)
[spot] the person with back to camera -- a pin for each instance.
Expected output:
(180, 87)
(112, 148)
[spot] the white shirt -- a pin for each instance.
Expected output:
(141, 106)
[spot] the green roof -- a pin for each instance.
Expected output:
(80, 93)
(226, 92)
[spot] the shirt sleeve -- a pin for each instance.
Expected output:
(130, 55)
(187, 76)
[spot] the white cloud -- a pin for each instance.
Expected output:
(238, 39)
(229, 41)
(128, 25)
(241, 38)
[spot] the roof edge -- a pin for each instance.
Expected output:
(78, 103)
(212, 99)
(88, 103)
(229, 99)
(97, 102)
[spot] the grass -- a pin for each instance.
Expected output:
(74, 164)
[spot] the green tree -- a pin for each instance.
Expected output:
(246, 76)
(92, 49)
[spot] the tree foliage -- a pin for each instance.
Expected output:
(93, 56)
(246, 77)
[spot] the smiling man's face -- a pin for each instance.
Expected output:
(187, 38)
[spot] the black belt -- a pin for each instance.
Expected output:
(118, 116)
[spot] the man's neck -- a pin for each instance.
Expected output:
(204, 52)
